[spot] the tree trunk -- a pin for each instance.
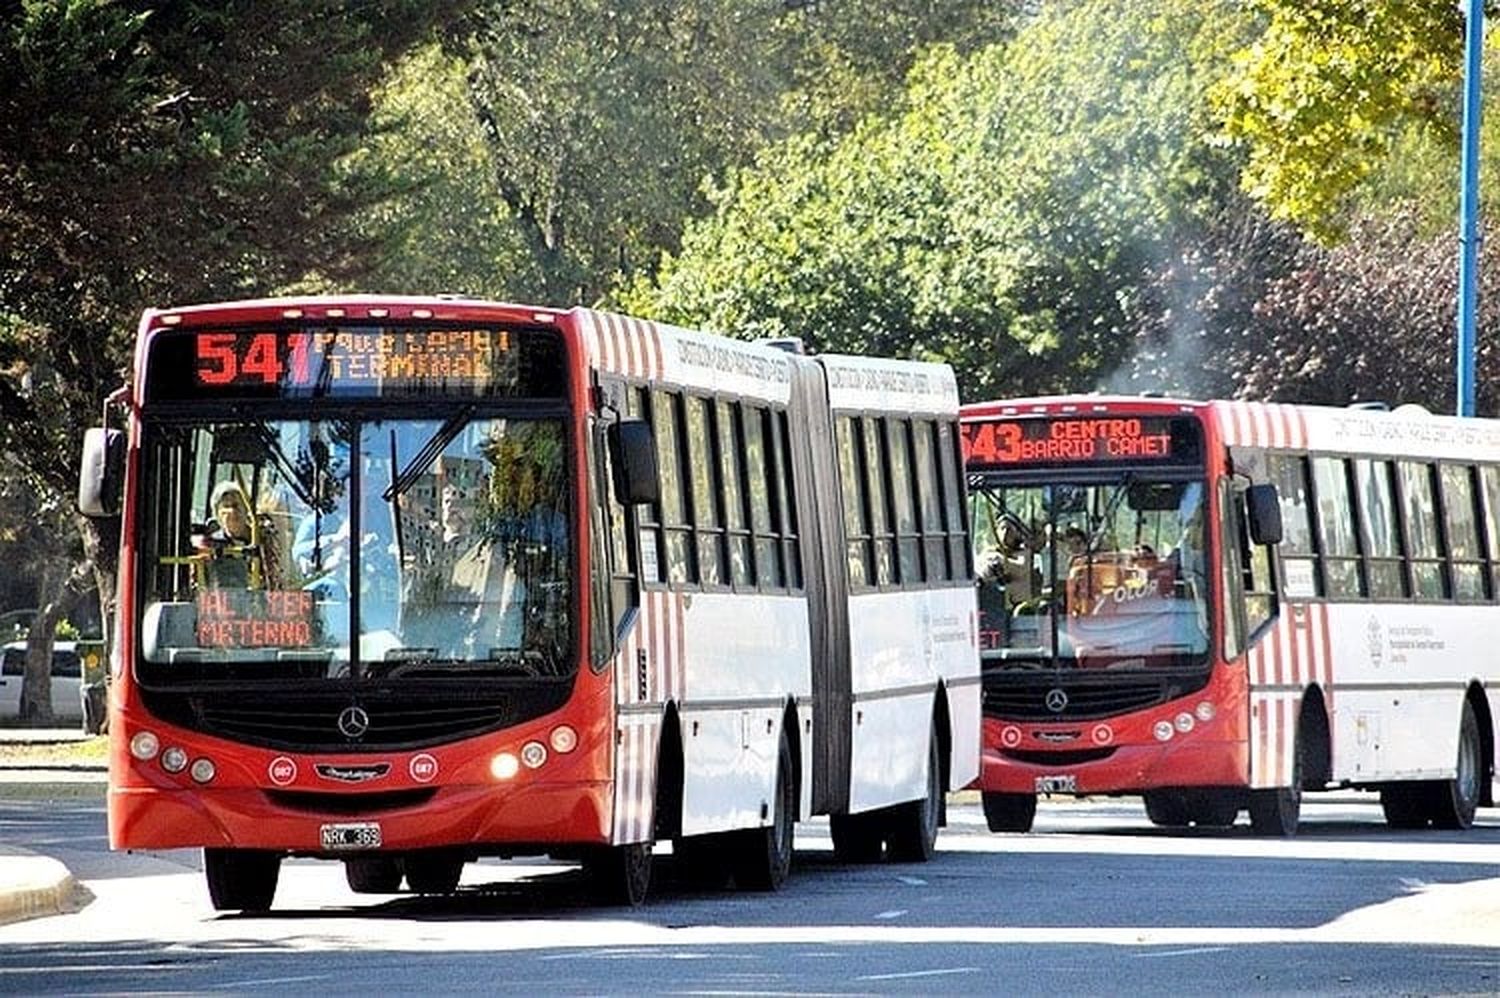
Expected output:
(36, 684)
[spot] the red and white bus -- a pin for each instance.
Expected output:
(1220, 605)
(409, 581)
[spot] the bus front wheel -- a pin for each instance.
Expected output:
(619, 875)
(1009, 812)
(241, 879)
(373, 874)
(433, 871)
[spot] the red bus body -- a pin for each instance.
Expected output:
(409, 581)
(454, 797)
(1118, 752)
(1341, 568)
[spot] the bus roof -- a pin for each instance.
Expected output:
(1407, 431)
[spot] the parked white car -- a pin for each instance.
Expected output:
(67, 678)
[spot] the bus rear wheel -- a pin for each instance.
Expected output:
(241, 879)
(914, 825)
(1008, 812)
(1405, 804)
(763, 857)
(857, 838)
(1456, 800)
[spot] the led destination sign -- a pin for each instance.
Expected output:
(347, 357)
(353, 361)
(1101, 440)
(237, 618)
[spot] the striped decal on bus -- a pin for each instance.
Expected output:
(650, 669)
(1292, 656)
(1262, 424)
(622, 345)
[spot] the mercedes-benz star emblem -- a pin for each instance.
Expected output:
(1057, 701)
(354, 722)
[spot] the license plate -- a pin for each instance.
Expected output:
(351, 835)
(1066, 783)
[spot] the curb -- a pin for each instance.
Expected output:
(36, 887)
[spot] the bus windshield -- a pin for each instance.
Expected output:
(361, 549)
(1099, 575)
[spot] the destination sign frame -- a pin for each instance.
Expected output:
(1081, 441)
(353, 361)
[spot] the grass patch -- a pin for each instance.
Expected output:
(88, 751)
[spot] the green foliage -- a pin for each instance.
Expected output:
(1320, 98)
(605, 120)
(170, 154)
(436, 222)
(1001, 216)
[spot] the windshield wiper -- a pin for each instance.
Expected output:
(435, 445)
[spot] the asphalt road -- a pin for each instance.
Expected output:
(1096, 901)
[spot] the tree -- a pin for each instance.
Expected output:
(166, 154)
(604, 120)
(1322, 95)
(1003, 216)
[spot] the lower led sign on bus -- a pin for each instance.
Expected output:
(1112, 439)
(239, 618)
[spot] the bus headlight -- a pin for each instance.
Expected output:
(504, 766)
(144, 746)
(174, 759)
(1205, 711)
(1163, 731)
(203, 770)
(1184, 722)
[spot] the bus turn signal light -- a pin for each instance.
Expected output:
(564, 739)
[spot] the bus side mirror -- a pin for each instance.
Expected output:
(1265, 513)
(100, 476)
(632, 454)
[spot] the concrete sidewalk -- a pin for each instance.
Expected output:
(33, 886)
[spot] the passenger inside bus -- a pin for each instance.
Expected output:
(1009, 581)
(234, 555)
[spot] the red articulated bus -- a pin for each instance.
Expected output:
(409, 581)
(1221, 605)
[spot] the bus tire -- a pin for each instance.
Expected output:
(1208, 807)
(698, 861)
(914, 825)
(763, 856)
(619, 875)
(1166, 808)
(1008, 812)
(433, 871)
(1276, 811)
(241, 879)
(1455, 801)
(857, 838)
(1405, 804)
(373, 874)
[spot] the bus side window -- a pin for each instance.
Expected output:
(1257, 585)
(1249, 584)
